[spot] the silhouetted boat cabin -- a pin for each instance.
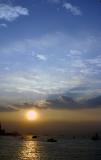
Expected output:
(51, 140)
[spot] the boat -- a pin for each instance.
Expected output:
(95, 137)
(51, 140)
(34, 137)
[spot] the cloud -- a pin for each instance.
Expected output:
(94, 61)
(59, 102)
(75, 52)
(4, 25)
(10, 13)
(93, 102)
(54, 102)
(62, 101)
(70, 62)
(72, 9)
(41, 57)
(8, 108)
(37, 83)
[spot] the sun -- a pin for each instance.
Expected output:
(31, 115)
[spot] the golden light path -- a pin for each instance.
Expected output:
(31, 115)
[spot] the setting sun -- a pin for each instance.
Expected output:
(31, 115)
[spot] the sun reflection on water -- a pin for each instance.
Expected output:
(29, 150)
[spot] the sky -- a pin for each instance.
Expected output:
(49, 48)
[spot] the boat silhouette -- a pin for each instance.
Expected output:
(51, 140)
(95, 137)
(34, 137)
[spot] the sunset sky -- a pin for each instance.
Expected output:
(50, 60)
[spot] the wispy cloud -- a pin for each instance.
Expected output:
(10, 107)
(69, 63)
(75, 52)
(72, 9)
(4, 25)
(10, 13)
(41, 57)
(56, 102)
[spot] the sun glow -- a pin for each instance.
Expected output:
(31, 115)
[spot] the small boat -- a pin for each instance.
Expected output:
(34, 137)
(95, 137)
(51, 140)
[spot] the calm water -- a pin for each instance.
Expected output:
(27, 149)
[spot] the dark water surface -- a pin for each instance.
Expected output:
(27, 149)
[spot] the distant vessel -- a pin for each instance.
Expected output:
(95, 137)
(51, 140)
(34, 137)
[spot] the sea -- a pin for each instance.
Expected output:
(26, 148)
